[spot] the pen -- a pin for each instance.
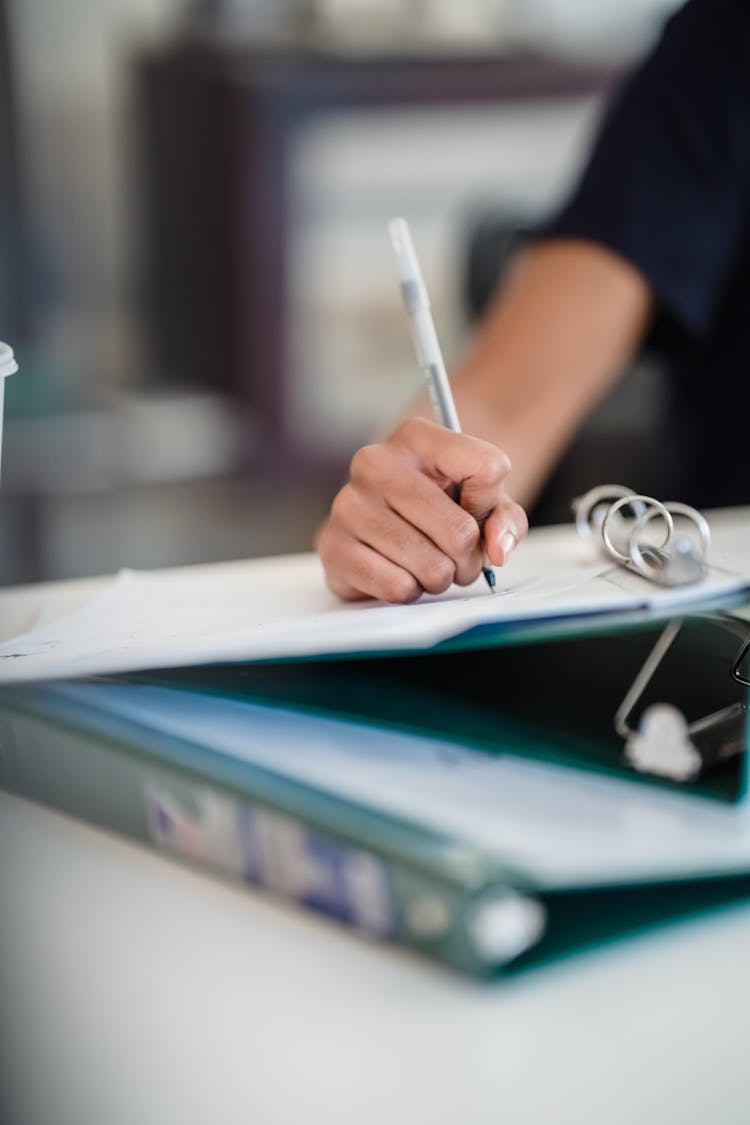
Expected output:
(429, 355)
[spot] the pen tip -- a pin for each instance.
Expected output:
(489, 576)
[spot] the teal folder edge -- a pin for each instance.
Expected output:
(543, 629)
(560, 704)
(84, 763)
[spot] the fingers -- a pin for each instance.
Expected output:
(390, 498)
(393, 535)
(394, 531)
(455, 458)
(355, 571)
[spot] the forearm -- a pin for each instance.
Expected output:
(556, 337)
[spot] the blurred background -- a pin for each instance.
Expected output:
(194, 270)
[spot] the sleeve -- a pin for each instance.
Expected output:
(668, 184)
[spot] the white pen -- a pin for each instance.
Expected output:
(429, 355)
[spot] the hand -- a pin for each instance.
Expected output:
(394, 532)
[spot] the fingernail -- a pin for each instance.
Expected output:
(508, 543)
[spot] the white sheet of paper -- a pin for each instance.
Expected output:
(559, 826)
(280, 608)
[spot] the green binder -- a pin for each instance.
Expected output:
(487, 861)
(549, 697)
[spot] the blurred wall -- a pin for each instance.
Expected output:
(71, 62)
(69, 65)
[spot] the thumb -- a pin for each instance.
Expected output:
(503, 529)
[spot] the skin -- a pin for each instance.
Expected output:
(557, 335)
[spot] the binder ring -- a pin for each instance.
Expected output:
(678, 560)
(674, 509)
(653, 509)
(595, 499)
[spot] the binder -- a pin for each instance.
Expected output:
(550, 697)
(488, 863)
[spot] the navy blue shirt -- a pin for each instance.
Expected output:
(668, 189)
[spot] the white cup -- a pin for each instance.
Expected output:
(8, 366)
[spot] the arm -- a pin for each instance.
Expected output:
(554, 340)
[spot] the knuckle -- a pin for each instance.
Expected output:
(401, 587)
(464, 534)
(342, 506)
(366, 462)
(467, 575)
(496, 465)
(437, 574)
(409, 431)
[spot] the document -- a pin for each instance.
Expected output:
(280, 608)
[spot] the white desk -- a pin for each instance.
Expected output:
(135, 992)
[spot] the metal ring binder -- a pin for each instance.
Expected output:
(653, 510)
(591, 508)
(678, 560)
(685, 561)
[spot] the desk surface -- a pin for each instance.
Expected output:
(133, 991)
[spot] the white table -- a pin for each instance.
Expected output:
(136, 992)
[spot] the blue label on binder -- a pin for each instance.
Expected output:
(273, 850)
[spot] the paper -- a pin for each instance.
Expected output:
(559, 827)
(273, 608)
